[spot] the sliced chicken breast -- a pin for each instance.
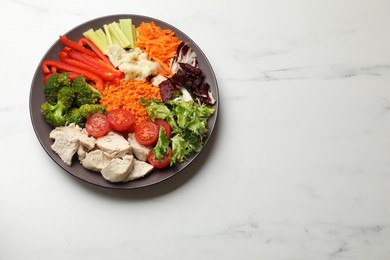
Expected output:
(69, 129)
(140, 151)
(65, 145)
(118, 169)
(140, 170)
(87, 141)
(96, 160)
(114, 144)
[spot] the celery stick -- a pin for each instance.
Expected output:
(93, 37)
(102, 35)
(108, 34)
(126, 26)
(115, 30)
(115, 41)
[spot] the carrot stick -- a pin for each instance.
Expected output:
(159, 44)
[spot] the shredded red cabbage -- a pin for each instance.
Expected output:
(186, 75)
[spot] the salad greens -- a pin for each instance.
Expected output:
(188, 121)
(161, 148)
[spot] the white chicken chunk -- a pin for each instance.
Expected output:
(66, 142)
(72, 129)
(114, 144)
(81, 152)
(96, 160)
(69, 140)
(86, 140)
(118, 169)
(140, 151)
(140, 170)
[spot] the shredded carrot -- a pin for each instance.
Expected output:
(127, 94)
(159, 44)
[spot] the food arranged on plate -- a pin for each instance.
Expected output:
(126, 99)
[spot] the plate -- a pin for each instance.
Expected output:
(42, 128)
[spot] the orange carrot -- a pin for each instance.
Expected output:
(159, 44)
(127, 94)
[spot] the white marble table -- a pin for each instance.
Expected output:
(299, 166)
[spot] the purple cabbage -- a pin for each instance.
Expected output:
(191, 78)
(184, 54)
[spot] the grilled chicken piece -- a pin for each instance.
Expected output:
(66, 142)
(66, 145)
(114, 144)
(140, 151)
(118, 169)
(140, 170)
(96, 160)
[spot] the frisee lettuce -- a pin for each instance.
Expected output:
(188, 121)
(161, 148)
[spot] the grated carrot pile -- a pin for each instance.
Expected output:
(127, 94)
(159, 44)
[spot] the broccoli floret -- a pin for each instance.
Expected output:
(85, 93)
(66, 96)
(90, 109)
(80, 115)
(53, 84)
(55, 115)
(70, 102)
(74, 116)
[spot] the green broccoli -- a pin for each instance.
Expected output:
(74, 116)
(56, 115)
(85, 93)
(80, 115)
(90, 109)
(66, 96)
(53, 84)
(68, 102)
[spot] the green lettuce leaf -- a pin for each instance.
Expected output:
(188, 121)
(161, 148)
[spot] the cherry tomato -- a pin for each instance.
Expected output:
(160, 164)
(146, 133)
(97, 125)
(166, 127)
(120, 119)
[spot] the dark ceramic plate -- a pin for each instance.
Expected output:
(42, 129)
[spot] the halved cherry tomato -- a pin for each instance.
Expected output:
(160, 164)
(146, 133)
(166, 127)
(120, 119)
(97, 125)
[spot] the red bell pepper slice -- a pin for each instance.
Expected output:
(94, 62)
(97, 71)
(85, 42)
(98, 82)
(65, 40)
